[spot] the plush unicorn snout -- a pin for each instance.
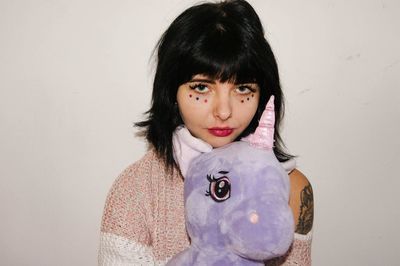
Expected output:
(259, 229)
(253, 217)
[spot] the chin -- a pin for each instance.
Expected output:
(220, 142)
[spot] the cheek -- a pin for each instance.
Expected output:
(247, 106)
(193, 108)
(191, 104)
(197, 98)
(249, 98)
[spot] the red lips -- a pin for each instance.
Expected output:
(220, 132)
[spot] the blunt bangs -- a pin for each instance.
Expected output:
(222, 54)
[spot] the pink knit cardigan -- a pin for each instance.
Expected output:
(143, 221)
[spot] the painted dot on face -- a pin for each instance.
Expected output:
(252, 95)
(197, 98)
(242, 101)
(190, 95)
(205, 100)
(248, 99)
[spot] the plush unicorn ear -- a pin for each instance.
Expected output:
(263, 137)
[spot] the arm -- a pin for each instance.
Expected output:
(125, 238)
(301, 202)
(302, 205)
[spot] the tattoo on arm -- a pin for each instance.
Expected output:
(306, 216)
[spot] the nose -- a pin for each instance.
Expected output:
(222, 106)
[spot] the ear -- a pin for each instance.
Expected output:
(186, 148)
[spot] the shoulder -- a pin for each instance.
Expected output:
(301, 201)
(141, 167)
(129, 194)
(143, 176)
(134, 178)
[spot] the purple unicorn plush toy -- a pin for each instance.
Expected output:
(236, 202)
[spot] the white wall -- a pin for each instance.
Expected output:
(75, 75)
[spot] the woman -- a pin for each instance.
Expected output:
(215, 73)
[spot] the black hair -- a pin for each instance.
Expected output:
(224, 41)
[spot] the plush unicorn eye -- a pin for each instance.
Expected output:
(219, 189)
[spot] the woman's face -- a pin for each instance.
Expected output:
(217, 112)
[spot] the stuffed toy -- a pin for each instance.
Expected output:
(236, 202)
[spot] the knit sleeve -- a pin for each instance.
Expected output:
(298, 254)
(125, 236)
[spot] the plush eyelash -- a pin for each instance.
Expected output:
(210, 178)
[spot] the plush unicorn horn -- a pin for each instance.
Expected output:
(263, 137)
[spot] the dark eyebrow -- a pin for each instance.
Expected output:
(223, 172)
(210, 81)
(203, 80)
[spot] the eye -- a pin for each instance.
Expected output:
(245, 89)
(219, 189)
(199, 88)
